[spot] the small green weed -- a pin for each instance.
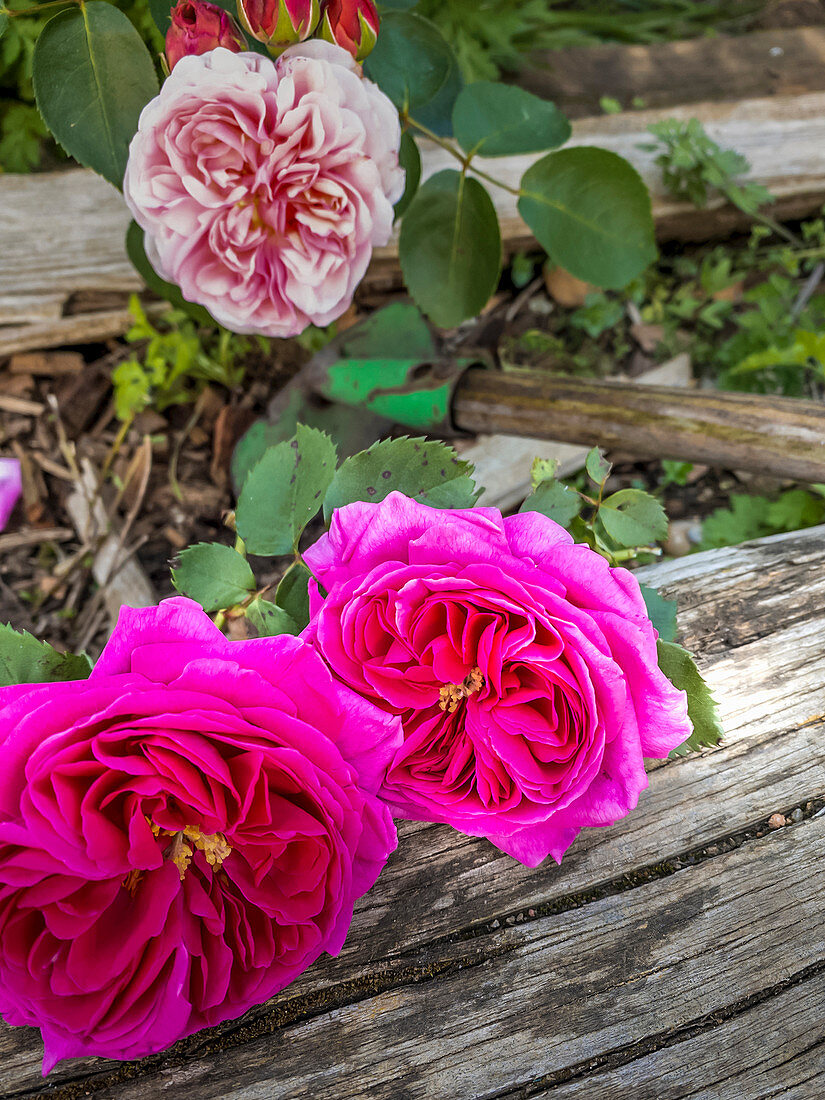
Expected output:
(176, 362)
(753, 517)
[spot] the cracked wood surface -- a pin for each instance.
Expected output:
(687, 940)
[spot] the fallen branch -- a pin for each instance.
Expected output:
(780, 436)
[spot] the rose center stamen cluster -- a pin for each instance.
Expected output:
(452, 695)
(213, 845)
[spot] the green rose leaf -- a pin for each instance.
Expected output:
(556, 501)
(409, 466)
(292, 594)
(214, 575)
(161, 13)
(597, 467)
(284, 490)
(632, 518)
(450, 248)
(92, 77)
(269, 620)
(411, 60)
(437, 115)
(25, 660)
(661, 612)
(680, 668)
(4, 22)
(543, 469)
(460, 492)
(410, 160)
(500, 120)
(590, 211)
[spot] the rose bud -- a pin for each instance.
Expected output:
(351, 24)
(279, 23)
(198, 27)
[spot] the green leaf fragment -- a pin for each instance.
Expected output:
(25, 660)
(632, 517)
(460, 492)
(409, 466)
(411, 60)
(450, 248)
(214, 575)
(680, 668)
(410, 160)
(92, 77)
(292, 593)
(556, 501)
(269, 620)
(590, 210)
(498, 120)
(597, 467)
(661, 612)
(284, 490)
(543, 469)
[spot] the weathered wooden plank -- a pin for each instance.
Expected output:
(82, 249)
(767, 672)
(776, 1047)
(79, 328)
(763, 63)
(511, 1009)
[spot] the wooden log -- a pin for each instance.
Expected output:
(83, 249)
(783, 436)
(719, 69)
(79, 328)
(657, 942)
(503, 462)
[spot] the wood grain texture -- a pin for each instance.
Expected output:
(503, 462)
(721, 68)
(739, 431)
(466, 975)
(63, 232)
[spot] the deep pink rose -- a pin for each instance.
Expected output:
(523, 667)
(11, 487)
(263, 186)
(181, 834)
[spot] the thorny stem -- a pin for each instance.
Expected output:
(459, 156)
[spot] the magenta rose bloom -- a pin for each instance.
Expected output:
(263, 186)
(181, 834)
(523, 668)
(11, 487)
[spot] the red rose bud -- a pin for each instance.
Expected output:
(352, 24)
(198, 27)
(279, 23)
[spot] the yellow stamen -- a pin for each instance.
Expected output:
(213, 845)
(451, 695)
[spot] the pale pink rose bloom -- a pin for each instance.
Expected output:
(264, 186)
(11, 486)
